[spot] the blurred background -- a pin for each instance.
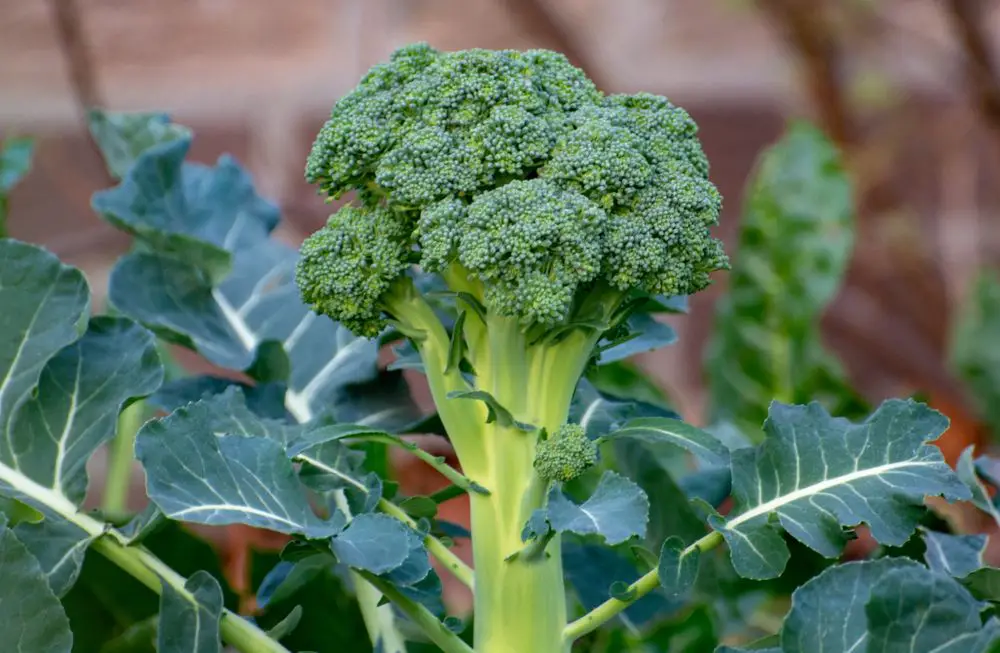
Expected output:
(909, 89)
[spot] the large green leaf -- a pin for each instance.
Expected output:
(122, 137)
(61, 399)
(206, 466)
(208, 275)
(884, 606)
(31, 618)
(45, 307)
(911, 609)
(972, 352)
(795, 241)
(189, 619)
(815, 474)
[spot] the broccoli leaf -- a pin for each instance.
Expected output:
(31, 618)
(678, 568)
(659, 430)
(795, 240)
(208, 275)
(122, 137)
(817, 474)
(599, 413)
(205, 468)
(617, 510)
(646, 333)
(45, 308)
(844, 608)
(189, 622)
(967, 471)
(376, 543)
(954, 555)
(911, 609)
(60, 395)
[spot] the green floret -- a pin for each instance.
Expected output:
(548, 201)
(348, 266)
(429, 124)
(566, 455)
(532, 244)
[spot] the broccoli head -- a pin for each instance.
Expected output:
(508, 172)
(565, 455)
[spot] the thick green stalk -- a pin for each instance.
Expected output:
(536, 385)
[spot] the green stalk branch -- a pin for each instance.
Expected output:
(438, 463)
(640, 588)
(120, 460)
(434, 546)
(445, 639)
(152, 572)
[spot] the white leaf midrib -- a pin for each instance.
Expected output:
(297, 402)
(775, 504)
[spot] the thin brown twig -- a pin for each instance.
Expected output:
(968, 19)
(806, 27)
(76, 53)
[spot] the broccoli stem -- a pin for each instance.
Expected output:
(405, 303)
(536, 384)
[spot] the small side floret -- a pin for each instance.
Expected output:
(565, 455)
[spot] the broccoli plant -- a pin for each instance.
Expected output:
(510, 232)
(550, 212)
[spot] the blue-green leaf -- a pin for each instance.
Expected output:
(954, 555)
(264, 399)
(59, 547)
(31, 618)
(189, 220)
(122, 137)
(678, 567)
(911, 609)
(966, 469)
(817, 474)
(828, 611)
(599, 413)
(591, 570)
(189, 620)
(15, 161)
(45, 308)
(59, 400)
(75, 409)
(617, 510)
(203, 467)
(647, 334)
(374, 542)
(186, 210)
(657, 430)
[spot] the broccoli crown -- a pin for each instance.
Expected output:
(566, 454)
(513, 165)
